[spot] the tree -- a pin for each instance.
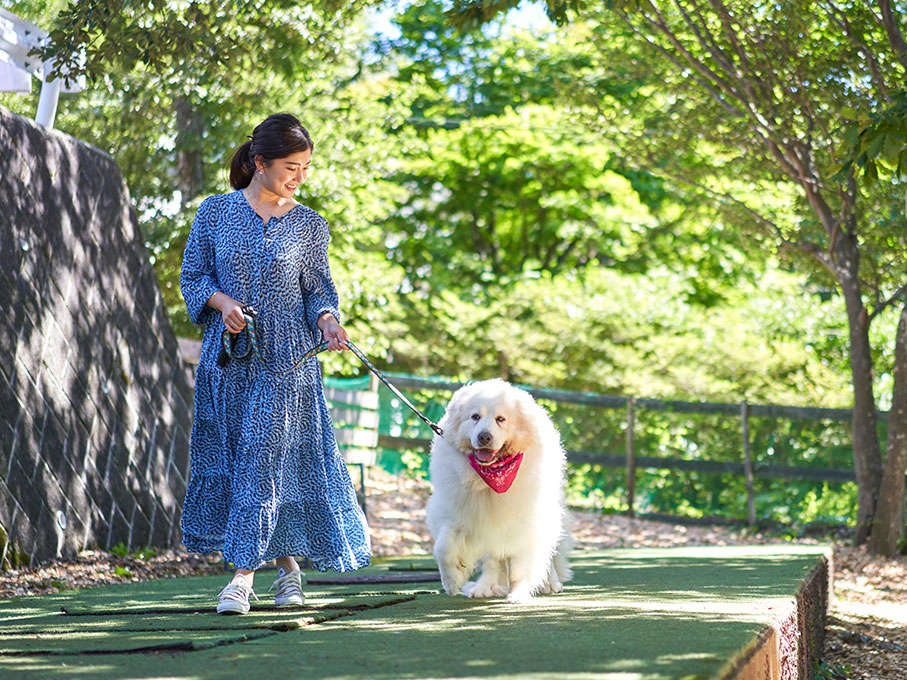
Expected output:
(761, 94)
(195, 59)
(504, 181)
(173, 119)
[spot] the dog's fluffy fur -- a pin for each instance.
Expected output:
(520, 537)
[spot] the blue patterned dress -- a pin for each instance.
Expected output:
(266, 478)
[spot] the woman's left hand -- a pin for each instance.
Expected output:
(333, 332)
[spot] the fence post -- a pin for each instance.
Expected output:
(748, 465)
(631, 458)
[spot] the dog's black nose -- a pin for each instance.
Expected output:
(484, 437)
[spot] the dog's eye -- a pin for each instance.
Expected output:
(500, 419)
(475, 416)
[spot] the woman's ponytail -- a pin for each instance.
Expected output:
(241, 168)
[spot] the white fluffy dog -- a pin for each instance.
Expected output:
(498, 475)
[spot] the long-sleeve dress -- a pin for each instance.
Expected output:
(266, 478)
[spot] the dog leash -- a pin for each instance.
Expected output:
(228, 345)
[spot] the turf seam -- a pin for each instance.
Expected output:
(280, 627)
(180, 646)
(207, 609)
(428, 577)
(191, 646)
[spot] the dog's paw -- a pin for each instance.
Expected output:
(478, 589)
(467, 588)
(452, 580)
(550, 587)
(520, 594)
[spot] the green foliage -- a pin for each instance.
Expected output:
(95, 37)
(825, 671)
(122, 572)
(877, 141)
(120, 550)
(506, 195)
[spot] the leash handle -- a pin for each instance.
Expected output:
(228, 345)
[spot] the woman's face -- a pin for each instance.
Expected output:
(283, 175)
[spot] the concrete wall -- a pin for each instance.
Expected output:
(95, 402)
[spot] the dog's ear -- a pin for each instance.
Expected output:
(531, 417)
(453, 414)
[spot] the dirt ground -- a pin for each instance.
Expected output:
(866, 636)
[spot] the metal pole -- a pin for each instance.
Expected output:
(631, 459)
(748, 466)
(50, 96)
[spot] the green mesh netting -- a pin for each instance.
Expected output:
(397, 420)
(348, 383)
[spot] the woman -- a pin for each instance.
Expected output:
(266, 479)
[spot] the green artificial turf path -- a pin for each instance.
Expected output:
(641, 614)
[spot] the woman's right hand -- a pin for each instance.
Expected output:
(232, 314)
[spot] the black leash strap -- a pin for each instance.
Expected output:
(368, 364)
(228, 344)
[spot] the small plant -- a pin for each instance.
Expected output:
(123, 572)
(836, 671)
(145, 553)
(120, 550)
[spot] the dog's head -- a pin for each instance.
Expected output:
(490, 420)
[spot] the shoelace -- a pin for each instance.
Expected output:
(236, 592)
(285, 584)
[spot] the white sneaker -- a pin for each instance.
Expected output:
(289, 588)
(234, 598)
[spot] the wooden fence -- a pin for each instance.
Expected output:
(632, 461)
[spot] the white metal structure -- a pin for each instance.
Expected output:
(17, 38)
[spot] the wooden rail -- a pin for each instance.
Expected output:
(630, 461)
(815, 474)
(618, 401)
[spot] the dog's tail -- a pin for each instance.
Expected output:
(564, 546)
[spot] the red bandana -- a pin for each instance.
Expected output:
(500, 474)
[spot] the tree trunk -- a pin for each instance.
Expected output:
(867, 455)
(888, 526)
(190, 175)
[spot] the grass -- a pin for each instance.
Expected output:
(641, 614)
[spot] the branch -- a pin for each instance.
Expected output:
(746, 98)
(706, 40)
(804, 246)
(890, 22)
(882, 306)
(840, 17)
(731, 35)
(795, 156)
(716, 95)
(561, 257)
(661, 24)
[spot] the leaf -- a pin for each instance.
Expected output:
(844, 173)
(875, 145)
(849, 112)
(892, 147)
(852, 134)
(870, 173)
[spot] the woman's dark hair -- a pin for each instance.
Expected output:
(277, 136)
